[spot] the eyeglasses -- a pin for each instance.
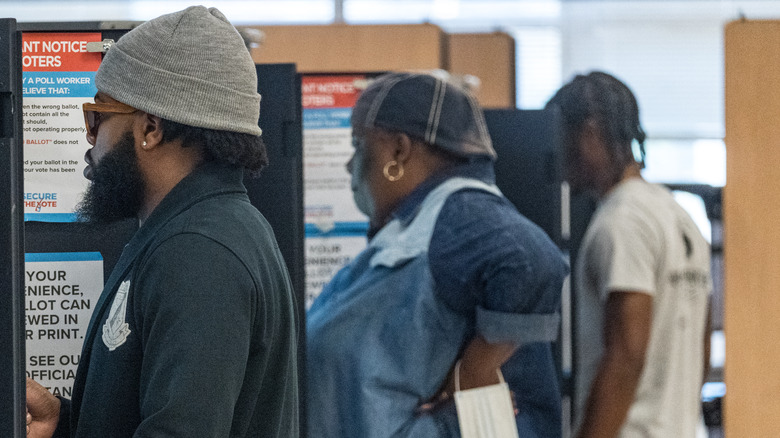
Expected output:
(92, 112)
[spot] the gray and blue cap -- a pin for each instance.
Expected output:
(428, 107)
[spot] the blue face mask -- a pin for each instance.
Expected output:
(360, 191)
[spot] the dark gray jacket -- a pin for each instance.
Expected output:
(195, 333)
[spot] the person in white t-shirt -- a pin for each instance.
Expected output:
(642, 277)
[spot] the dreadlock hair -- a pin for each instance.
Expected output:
(601, 97)
(237, 148)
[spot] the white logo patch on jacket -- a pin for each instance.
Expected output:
(116, 330)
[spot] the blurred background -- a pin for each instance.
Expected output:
(671, 53)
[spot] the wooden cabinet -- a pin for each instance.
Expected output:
(491, 58)
(752, 229)
(340, 48)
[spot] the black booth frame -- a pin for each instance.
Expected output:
(12, 349)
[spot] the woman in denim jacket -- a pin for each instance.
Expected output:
(452, 272)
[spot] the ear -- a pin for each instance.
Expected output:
(150, 131)
(402, 147)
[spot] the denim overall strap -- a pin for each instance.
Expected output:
(399, 243)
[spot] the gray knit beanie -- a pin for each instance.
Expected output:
(190, 67)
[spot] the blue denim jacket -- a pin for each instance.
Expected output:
(387, 329)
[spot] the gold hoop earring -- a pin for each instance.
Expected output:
(396, 177)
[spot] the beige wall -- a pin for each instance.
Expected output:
(752, 229)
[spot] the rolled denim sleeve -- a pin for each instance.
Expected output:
(485, 255)
(520, 329)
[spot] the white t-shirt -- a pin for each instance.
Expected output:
(641, 240)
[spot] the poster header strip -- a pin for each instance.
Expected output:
(340, 229)
(327, 118)
(50, 217)
(59, 84)
(63, 256)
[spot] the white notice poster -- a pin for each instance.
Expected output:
(60, 292)
(335, 228)
(58, 76)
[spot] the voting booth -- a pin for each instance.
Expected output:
(53, 267)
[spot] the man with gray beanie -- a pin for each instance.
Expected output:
(453, 285)
(194, 334)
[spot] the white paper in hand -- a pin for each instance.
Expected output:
(485, 412)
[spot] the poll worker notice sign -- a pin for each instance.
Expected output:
(60, 292)
(327, 146)
(335, 228)
(58, 76)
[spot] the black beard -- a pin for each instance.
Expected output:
(117, 187)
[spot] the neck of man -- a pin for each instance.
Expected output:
(164, 171)
(631, 171)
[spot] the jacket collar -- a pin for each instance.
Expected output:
(208, 180)
(481, 170)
